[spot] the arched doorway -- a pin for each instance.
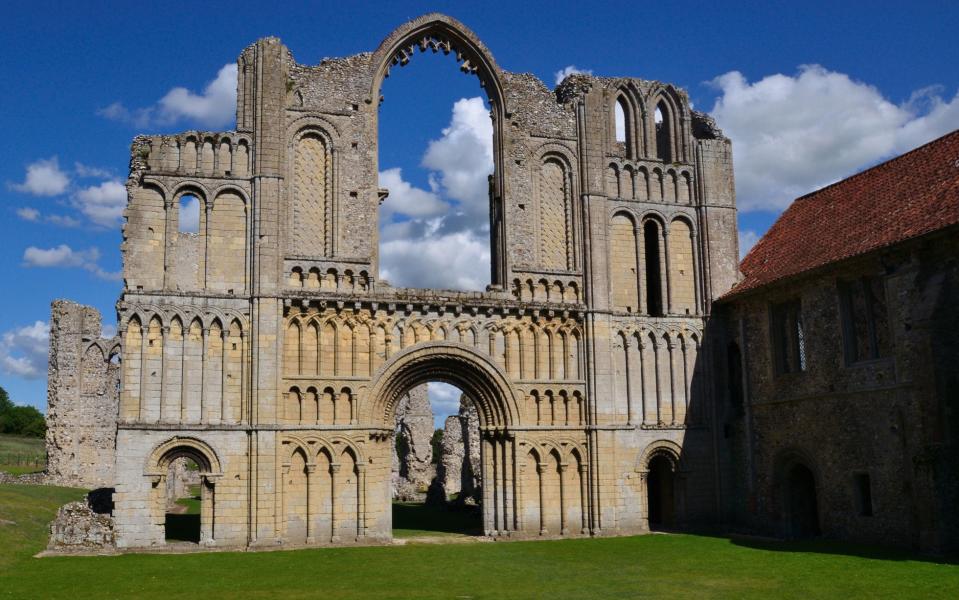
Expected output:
(661, 493)
(802, 510)
(486, 385)
(188, 468)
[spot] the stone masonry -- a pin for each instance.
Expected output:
(266, 349)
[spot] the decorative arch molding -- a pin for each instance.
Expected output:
(193, 448)
(451, 362)
(439, 33)
(667, 448)
(231, 187)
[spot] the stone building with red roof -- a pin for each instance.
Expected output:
(839, 388)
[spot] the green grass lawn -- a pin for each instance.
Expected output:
(19, 455)
(653, 566)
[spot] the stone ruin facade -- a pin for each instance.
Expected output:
(83, 398)
(266, 348)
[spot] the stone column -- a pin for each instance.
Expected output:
(204, 401)
(666, 280)
(361, 513)
(144, 339)
(563, 529)
(310, 499)
(540, 468)
(584, 495)
(334, 469)
(671, 346)
(164, 335)
(224, 336)
(629, 382)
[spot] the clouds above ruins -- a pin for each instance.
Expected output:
(439, 237)
(793, 134)
(63, 256)
(566, 71)
(214, 107)
(23, 351)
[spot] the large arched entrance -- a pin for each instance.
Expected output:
(486, 385)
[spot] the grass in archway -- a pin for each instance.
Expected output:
(652, 566)
(413, 519)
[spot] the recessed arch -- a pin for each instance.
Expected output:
(449, 362)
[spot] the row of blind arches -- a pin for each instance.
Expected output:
(652, 267)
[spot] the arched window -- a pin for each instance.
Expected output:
(623, 125)
(654, 289)
(624, 264)
(664, 144)
(188, 220)
(555, 215)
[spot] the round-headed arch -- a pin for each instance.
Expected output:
(449, 362)
(195, 449)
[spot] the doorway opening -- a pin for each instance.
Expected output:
(436, 476)
(660, 490)
(802, 516)
(183, 501)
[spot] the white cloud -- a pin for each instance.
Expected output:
(109, 330)
(458, 260)
(747, 239)
(28, 214)
(190, 214)
(444, 400)
(463, 156)
(43, 178)
(23, 351)
(103, 203)
(35, 216)
(215, 107)
(83, 170)
(408, 200)
(794, 134)
(439, 238)
(570, 70)
(63, 256)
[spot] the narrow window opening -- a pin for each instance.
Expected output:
(663, 133)
(865, 323)
(189, 217)
(734, 377)
(788, 337)
(654, 296)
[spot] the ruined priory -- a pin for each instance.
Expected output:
(266, 349)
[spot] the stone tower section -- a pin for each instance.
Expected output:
(82, 398)
(264, 346)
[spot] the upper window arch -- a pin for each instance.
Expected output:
(623, 125)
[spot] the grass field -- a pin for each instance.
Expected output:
(19, 455)
(653, 566)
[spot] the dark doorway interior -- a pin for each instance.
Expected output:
(803, 512)
(660, 490)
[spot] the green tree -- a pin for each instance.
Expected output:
(20, 420)
(437, 442)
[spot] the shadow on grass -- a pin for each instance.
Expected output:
(418, 518)
(834, 547)
(183, 528)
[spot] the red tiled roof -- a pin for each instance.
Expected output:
(906, 197)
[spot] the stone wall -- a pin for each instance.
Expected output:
(82, 398)
(885, 426)
(460, 470)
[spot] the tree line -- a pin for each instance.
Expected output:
(20, 420)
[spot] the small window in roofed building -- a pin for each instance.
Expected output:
(788, 338)
(865, 324)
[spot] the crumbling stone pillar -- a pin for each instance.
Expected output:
(413, 468)
(82, 398)
(460, 464)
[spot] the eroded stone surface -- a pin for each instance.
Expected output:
(78, 527)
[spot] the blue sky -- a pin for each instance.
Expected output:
(809, 92)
